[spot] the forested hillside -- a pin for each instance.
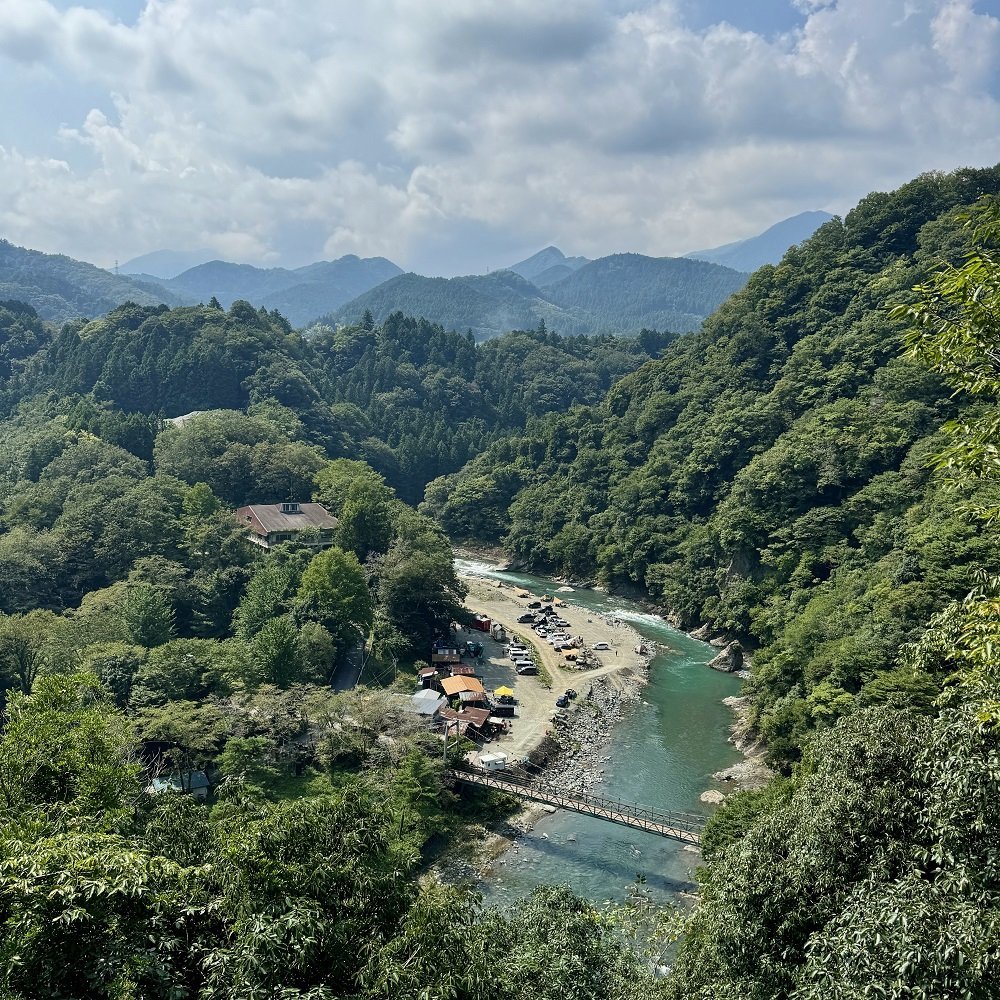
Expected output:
(792, 477)
(621, 294)
(142, 635)
(410, 398)
(814, 472)
(769, 475)
(628, 291)
(148, 649)
(61, 288)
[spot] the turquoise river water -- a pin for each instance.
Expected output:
(663, 754)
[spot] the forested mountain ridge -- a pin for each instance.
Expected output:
(767, 472)
(410, 398)
(774, 475)
(61, 288)
(629, 291)
(165, 264)
(486, 304)
(621, 294)
(300, 294)
(544, 261)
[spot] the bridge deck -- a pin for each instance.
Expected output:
(685, 827)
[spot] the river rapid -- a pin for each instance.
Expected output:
(663, 754)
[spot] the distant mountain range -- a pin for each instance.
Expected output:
(620, 293)
(767, 248)
(300, 295)
(166, 263)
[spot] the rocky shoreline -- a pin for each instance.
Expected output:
(574, 753)
(584, 734)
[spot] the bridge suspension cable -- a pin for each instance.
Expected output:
(682, 826)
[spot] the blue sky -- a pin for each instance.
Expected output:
(457, 135)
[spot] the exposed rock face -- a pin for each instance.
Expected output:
(730, 659)
(703, 633)
(713, 797)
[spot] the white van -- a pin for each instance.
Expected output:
(600, 645)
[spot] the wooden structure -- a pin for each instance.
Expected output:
(270, 524)
(685, 827)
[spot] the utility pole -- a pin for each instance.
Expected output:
(447, 726)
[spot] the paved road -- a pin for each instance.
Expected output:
(349, 671)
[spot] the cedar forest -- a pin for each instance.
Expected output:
(812, 473)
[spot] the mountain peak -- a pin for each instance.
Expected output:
(767, 247)
(166, 264)
(550, 257)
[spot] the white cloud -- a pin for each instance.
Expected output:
(452, 134)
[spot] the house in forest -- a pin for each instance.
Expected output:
(270, 524)
(194, 783)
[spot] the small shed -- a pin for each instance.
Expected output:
(427, 702)
(193, 782)
(493, 761)
(456, 685)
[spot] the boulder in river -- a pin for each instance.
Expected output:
(730, 659)
(712, 797)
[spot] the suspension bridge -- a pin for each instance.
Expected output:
(685, 827)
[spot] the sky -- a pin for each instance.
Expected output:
(458, 136)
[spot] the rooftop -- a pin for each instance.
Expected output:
(274, 517)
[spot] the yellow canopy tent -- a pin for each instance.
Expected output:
(504, 692)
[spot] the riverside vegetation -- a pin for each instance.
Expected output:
(772, 475)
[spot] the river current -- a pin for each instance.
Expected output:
(663, 754)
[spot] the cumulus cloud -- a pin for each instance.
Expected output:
(446, 135)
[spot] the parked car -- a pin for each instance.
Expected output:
(601, 645)
(562, 701)
(570, 693)
(525, 619)
(534, 604)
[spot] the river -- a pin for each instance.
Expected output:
(663, 754)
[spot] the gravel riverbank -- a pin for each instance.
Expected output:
(566, 746)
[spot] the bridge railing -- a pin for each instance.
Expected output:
(583, 801)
